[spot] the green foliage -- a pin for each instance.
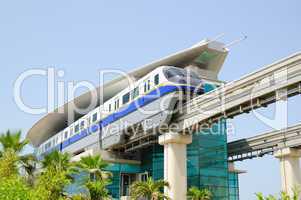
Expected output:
(57, 161)
(12, 141)
(150, 189)
(283, 195)
(195, 193)
(50, 185)
(14, 188)
(8, 164)
(52, 179)
(97, 190)
(98, 178)
(94, 166)
(55, 176)
(11, 148)
(79, 197)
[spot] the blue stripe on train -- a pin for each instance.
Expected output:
(140, 102)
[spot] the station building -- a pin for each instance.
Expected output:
(204, 153)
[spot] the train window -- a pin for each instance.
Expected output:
(135, 93)
(110, 108)
(156, 79)
(145, 87)
(116, 104)
(82, 125)
(173, 72)
(65, 135)
(148, 85)
(76, 128)
(126, 98)
(88, 121)
(47, 146)
(71, 131)
(94, 117)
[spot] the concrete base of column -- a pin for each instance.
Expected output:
(175, 170)
(290, 168)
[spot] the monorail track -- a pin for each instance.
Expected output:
(274, 82)
(263, 144)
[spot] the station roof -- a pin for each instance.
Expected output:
(207, 55)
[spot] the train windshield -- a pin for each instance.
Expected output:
(182, 76)
(172, 72)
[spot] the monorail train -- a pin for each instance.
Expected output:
(146, 102)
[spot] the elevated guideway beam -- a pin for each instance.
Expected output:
(265, 86)
(277, 81)
(267, 143)
(284, 144)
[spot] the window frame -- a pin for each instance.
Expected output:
(76, 128)
(135, 92)
(94, 119)
(156, 79)
(127, 99)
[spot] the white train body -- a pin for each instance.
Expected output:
(146, 102)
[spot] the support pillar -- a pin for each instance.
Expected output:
(290, 168)
(175, 170)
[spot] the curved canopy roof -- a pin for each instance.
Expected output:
(207, 55)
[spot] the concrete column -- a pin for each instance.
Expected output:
(175, 170)
(290, 168)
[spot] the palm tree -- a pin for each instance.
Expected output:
(94, 166)
(98, 178)
(150, 189)
(8, 164)
(57, 161)
(97, 189)
(29, 164)
(195, 193)
(12, 141)
(55, 176)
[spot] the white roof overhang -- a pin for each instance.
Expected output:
(208, 55)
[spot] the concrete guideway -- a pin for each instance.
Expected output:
(284, 144)
(266, 143)
(274, 82)
(277, 81)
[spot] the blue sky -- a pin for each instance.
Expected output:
(82, 37)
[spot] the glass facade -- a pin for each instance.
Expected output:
(233, 186)
(207, 163)
(151, 163)
(117, 170)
